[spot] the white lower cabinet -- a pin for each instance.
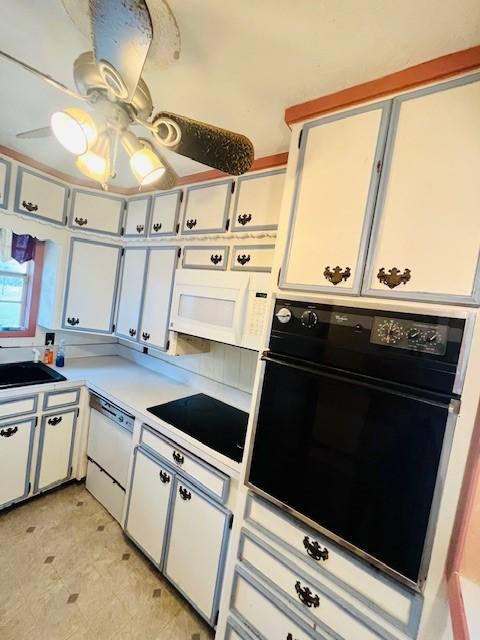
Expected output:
(149, 504)
(16, 439)
(54, 463)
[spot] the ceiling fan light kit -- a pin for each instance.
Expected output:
(95, 162)
(74, 129)
(145, 164)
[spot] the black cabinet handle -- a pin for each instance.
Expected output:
(215, 258)
(29, 206)
(145, 336)
(306, 597)
(157, 226)
(184, 494)
(314, 550)
(191, 223)
(244, 218)
(7, 433)
(140, 228)
(132, 332)
(394, 277)
(54, 421)
(81, 221)
(243, 259)
(164, 477)
(336, 275)
(73, 321)
(179, 459)
(290, 637)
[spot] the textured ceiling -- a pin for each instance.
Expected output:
(241, 64)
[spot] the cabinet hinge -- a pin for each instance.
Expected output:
(181, 196)
(379, 166)
(179, 253)
(29, 487)
(167, 346)
(178, 228)
(122, 252)
(227, 226)
(230, 524)
(300, 138)
(36, 421)
(215, 622)
(278, 277)
(232, 188)
(78, 412)
(122, 232)
(114, 326)
(71, 471)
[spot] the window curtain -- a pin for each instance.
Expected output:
(23, 248)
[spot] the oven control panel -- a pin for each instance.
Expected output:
(408, 334)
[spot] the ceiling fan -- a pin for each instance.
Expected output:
(109, 80)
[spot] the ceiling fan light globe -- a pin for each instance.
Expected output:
(146, 166)
(74, 129)
(94, 166)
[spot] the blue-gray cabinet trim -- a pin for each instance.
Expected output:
(236, 226)
(18, 188)
(5, 189)
(223, 227)
(26, 492)
(96, 194)
(7, 401)
(49, 394)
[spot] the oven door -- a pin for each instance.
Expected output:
(354, 458)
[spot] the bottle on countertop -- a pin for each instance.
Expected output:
(47, 354)
(60, 359)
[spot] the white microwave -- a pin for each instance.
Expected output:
(224, 306)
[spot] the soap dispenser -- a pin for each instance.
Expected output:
(60, 359)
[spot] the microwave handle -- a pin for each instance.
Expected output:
(240, 311)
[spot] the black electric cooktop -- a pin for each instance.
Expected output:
(216, 424)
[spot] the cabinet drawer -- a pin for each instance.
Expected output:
(96, 212)
(106, 491)
(55, 399)
(18, 406)
(136, 217)
(322, 606)
(5, 171)
(206, 207)
(211, 480)
(16, 440)
(396, 604)
(263, 613)
(205, 258)
(258, 201)
(165, 209)
(252, 257)
(40, 197)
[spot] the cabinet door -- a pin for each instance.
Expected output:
(157, 296)
(15, 457)
(40, 197)
(258, 201)
(131, 290)
(252, 257)
(96, 212)
(202, 257)
(206, 207)
(149, 504)
(55, 449)
(91, 283)
(5, 171)
(427, 233)
(136, 217)
(198, 537)
(165, 208)
(333, 200)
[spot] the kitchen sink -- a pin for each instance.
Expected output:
(21, 374)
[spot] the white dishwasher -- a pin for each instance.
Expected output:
(108, 453)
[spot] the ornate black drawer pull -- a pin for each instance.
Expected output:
(394, 277)
(145, 336)
(7, 433)
(184, 494)
(29, 206)
(81, 221)
(164, 477)
(314, 550)
(132, 332)
(191, 223)
(157, 226)
(215, 258)
(73, 321)
(140, 228)
(54, 421)
(179, 459)
(244, 218)
(243, 259)
(306, 597)
(336, 275)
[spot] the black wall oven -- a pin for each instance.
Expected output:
(354, 425)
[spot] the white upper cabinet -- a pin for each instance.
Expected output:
(98, 212)
(91, 285)
(333, 200)
(165, 208)
(426, 236)
(5, 171)
(130, 292)
(258, 200)
(40, 197)
(157, 296)
(136, 217)
(206, 207)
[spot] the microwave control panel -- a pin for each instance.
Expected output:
(407, 334)
(257, 313)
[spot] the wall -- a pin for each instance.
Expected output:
(470, 566)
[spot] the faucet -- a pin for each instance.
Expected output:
(36, 355)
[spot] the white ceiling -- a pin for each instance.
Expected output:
(241, 64)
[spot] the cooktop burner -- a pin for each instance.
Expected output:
(216, 424)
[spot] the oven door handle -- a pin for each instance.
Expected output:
(444, 401)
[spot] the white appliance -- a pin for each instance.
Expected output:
(108, 452)
(225, 306)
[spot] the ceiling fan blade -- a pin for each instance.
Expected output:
(221, 149)
(122, 33)
(51, 81)
(42, 132)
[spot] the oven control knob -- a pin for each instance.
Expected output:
(309, 319)
(414, 334)
(283, 315)
(431, 336)
(390, 332)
